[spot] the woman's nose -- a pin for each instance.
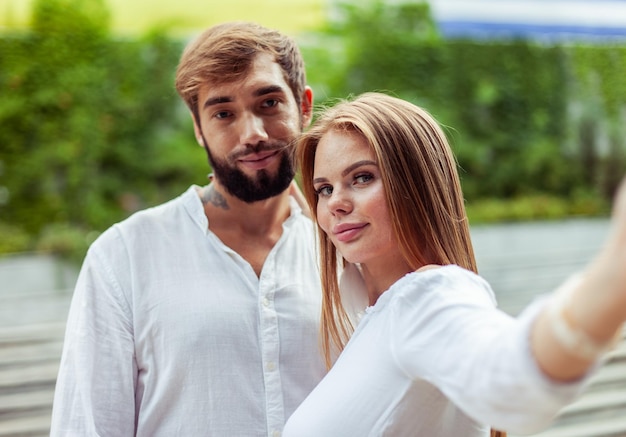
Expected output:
(339, 202)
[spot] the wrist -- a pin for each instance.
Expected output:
(568, 331)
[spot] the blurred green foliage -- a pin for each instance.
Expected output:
(13, 239)
(92, 129)
(65, 240)
(91, 124)
(525, 119)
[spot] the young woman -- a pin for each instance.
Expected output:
(431, 355)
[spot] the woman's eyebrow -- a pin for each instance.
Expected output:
(357, 165)
(348, 169)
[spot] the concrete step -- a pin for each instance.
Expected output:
(40, 375)
(27, 353)
(36, 425)
(597, 401)
(32, 333)
(25, 402)
(611, 375)
(613, 426)
(29, 362)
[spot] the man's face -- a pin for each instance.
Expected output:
(248, 128)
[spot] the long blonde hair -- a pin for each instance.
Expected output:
(422, 187)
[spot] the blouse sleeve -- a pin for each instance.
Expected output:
(447, 331)
(95, 391)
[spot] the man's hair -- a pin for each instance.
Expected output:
(422, 190)
(224, 53)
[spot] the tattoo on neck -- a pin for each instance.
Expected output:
(211, 195)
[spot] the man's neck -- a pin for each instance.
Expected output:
(226, 211)
(250, 229)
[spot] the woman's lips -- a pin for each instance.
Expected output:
(347, 231)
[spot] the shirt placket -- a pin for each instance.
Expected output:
(270, 349)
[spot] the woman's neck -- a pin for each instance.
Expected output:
(381, 275)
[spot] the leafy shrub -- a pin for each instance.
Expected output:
(13, 239)
(65, 241)
(87, 119)
(534, 207)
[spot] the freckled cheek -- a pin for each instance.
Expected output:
(376, 205)
(386, 226)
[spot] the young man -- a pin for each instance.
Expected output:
(200, 316)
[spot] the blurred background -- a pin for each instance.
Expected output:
(532, 94)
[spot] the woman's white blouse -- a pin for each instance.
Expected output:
(433, 357)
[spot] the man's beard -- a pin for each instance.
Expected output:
(249, 189)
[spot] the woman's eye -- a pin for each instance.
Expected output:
(363, 178)
(324, 190)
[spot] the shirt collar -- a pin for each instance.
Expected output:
(194, 207)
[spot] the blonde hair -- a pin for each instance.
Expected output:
(422, 187)
(225, 53)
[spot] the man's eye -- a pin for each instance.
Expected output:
(270, 103)
(222, 114)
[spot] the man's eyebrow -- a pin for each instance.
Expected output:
(257, 93)
(217, 100)
(269, 90)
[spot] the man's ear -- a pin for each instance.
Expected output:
(306, 106)
(197, 131)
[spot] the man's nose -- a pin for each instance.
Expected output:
(252, 129)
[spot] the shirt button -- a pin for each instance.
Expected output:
(266, 302)
(276, 433)
(270, 366)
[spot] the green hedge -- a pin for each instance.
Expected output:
(91, 126)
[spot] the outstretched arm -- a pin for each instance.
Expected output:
(585, 317)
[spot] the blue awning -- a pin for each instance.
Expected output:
(545, 20)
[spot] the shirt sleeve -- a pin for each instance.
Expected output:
(95, 391)
(446, 330)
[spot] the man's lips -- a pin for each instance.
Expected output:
(257, 161)
(347, 231)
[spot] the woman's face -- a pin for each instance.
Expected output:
(352, 208)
